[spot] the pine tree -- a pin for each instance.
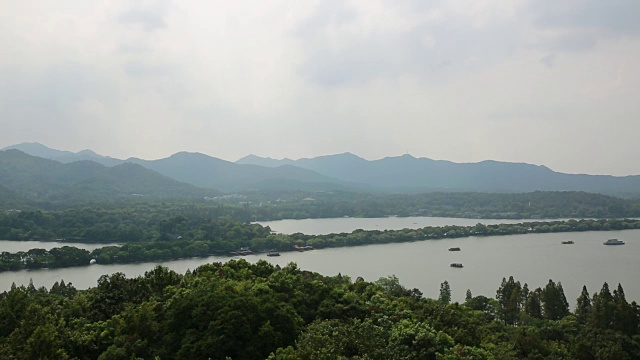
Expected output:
(554, 302)
(533, 307)
(509, 297)
(445, 293)
(525, 293)
(602, 309)
(583, 307)
(625, 317)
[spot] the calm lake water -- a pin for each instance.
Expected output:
(347, 225)
(530, 258)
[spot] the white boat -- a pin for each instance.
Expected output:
(614, 242)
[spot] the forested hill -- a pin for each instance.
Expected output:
(39, 179)
(7, 197)
(399, 174)
(206, 171)
(63, 156)
(249, 311)
(538, 204)
(409, 174)
(210, 172)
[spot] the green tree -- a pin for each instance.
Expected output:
(583, 307)
(445, 293)
(509, 297)
(554, 302)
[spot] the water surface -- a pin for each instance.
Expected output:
(530, 258)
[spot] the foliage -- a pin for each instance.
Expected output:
(149, 236)
(254, 311)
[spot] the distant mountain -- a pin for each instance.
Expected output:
(210, 172)
(41, 179)
(409, 174)
(405, 174)
(207, 172)
(39, 150)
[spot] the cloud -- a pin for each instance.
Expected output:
(451, 79)
(548, 60)
(612, 16)
(52, 89)
(578, 25)
(148, 19)
(357, 44)
(145, 70)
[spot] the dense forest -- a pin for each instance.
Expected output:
(539, 204)
(240, 310)
(274, 205)
(122, 220)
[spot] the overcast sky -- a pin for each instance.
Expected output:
(545, 82)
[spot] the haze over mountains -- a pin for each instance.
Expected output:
(405, 174)
(39, 179)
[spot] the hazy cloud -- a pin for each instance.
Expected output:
(148, 19)
(548, 60)
(142, 70)
(613, 16)
(534, 81)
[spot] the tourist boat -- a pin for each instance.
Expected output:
(454, 249)
(243, 251)
(273, 253)
(614, 242)
(568, 242)
(456, 265)
(302, 248)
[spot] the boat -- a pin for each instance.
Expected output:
(568, 242)
(273, 253)
(243, 251)
(454, 249)
(614, 242)
(456, 265)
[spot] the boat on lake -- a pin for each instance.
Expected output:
(243, 251)
(454, 249)
(568, 242)
(273, 253)
(614, 242)
(456, 265)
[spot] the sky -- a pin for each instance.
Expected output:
(554, 83)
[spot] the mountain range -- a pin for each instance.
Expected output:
(408, 174)
(403, 174)
(39, 179)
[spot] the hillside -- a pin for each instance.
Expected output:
(47, 180)
(411, 175)
(348, 172)
(210, 172)
(8, 199)
(39, 150)
(207, 172)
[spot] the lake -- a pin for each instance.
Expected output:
(530, 258)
